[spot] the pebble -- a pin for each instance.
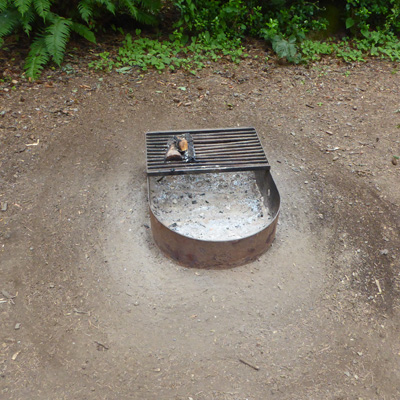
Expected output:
(4, 206)
(17, 326)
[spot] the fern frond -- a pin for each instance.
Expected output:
(37, 58)
(51, 17)
(56, 38)
(151, 5)
(26, 20)
(42, 7)
(84, 31)
(22, 5)
(140, 15)
(85, 9)
(108, 4)
(131, 7)
(9, 19)
(3, 5)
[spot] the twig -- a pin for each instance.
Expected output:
(81, 312)
(257, 368)
(101, 345)
(333, 149)
(378, 286)
(33, 144)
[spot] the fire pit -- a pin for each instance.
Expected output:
(219, 207)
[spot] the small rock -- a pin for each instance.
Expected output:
(17, 326)
(384, 252)
(4, 206)
(395, 160)
(4, 112)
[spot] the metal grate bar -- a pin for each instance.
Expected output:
(217, 150)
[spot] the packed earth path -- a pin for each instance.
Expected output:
(91, 309)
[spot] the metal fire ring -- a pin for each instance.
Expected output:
(197, 253)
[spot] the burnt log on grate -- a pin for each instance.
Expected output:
(217, 150)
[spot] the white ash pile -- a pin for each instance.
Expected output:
(212, 206)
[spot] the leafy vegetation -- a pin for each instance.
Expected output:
(149, 53)
(53, 22)
(372, 44)
(204, 30)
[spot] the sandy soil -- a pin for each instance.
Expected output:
(91, 309)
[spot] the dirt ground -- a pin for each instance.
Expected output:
(91, 309)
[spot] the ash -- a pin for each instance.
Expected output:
(212, 206)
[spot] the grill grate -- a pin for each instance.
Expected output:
(217, 150)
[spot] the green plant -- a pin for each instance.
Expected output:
(103, 63)
(286, 48)
(375, 14)
(312, 50)
(372, 44)
(53, 21)
(145, 53)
